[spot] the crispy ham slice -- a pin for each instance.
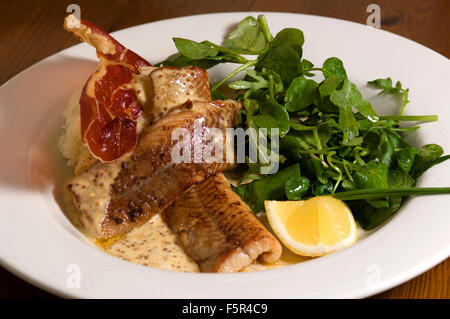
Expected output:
(109, 107)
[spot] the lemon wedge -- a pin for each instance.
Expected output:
(315, 227)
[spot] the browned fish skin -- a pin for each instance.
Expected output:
(171, 87)
(218, 230)
(150, 181)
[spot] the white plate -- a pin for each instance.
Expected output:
(39, 244)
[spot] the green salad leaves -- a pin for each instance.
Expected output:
(331, 139)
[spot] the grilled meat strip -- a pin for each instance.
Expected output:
(150, 179)
(171, 87)
(218, 230)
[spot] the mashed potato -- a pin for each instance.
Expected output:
(70, 143)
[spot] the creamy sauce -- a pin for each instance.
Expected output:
(153, 245)
(92, 189)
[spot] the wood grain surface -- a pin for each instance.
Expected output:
(32, 30)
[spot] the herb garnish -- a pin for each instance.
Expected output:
(332, 140)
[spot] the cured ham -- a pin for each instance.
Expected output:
(109, 107)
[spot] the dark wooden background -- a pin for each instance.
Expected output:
(32, 30)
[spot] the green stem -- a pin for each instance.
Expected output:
(413, 118)
(345, 163)
(271, 94)
(319, 146)
(229, 76)
(234, 53)
(374, 193)
(405, 101)
(322, 151)
(265, 28)
(337, 169)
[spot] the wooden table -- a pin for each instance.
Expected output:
(32, 30)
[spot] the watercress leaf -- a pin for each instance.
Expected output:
(384, 84)
(347, 120)
(405, 158)
(195, 50)
(179, 60)
(426, 155)
(284, 55)
(365, 108)
(247, 85)
(385, 150)
(271, 187)
(369, 217)
(306, 66)
(291, 37)
(348, 185)
(333, 67)
(348, 123)
(373, 175)
(354, 142)
(301, 127)
(296, 187)
(324, 133)
(349, 96)
(273, 108)
(247, 37)
(291, 147)
(300, 94)
(429, 152)
(282, 59)
(345, 151)
(267, 121)
(329, 85)
(314, 170)
(324, 104)
(399, 178)
(224, 57)
(364, 124)
(272, 115)
(216, 95)
(324, 189)
(386, 87)
(278, 84)
(417, 173)
(253, 81)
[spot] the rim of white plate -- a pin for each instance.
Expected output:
(317, 266)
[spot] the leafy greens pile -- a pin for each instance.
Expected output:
(325, 146)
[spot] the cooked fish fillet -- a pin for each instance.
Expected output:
(150, 180)
(218, 230)
(171, 87)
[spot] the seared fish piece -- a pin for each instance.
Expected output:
(150, 179)
(218, 230)
(171, 87)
